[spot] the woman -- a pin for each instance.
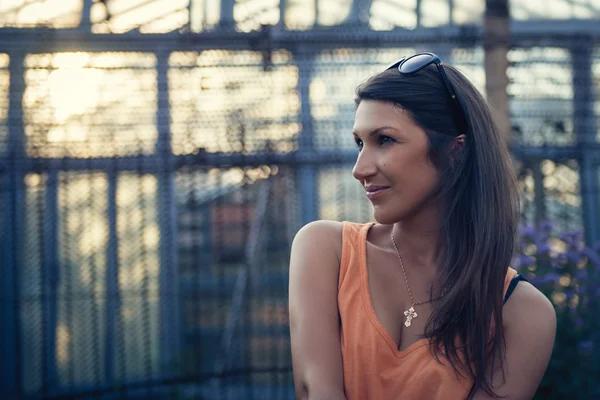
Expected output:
(423, 303)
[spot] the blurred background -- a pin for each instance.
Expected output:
(157, 158)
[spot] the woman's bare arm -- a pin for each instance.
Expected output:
(529, 329)
(314, 316)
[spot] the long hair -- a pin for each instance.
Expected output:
(481, 216)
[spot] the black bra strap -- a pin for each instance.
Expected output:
(513, 285)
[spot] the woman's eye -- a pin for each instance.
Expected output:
(383, 139)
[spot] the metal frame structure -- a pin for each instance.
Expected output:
(578, 36)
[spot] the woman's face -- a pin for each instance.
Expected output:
(393, 153)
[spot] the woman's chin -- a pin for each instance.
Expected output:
(384, 217)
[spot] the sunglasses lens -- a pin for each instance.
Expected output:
(415, 63)
(395, 64)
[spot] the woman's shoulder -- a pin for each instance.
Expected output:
(529, 318)
(529, 323)
(323, 237)
(322, 226)
(526, 302)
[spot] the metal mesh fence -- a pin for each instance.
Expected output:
(150, 188)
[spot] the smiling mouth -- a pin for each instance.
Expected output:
(376, 193)
(376, 190)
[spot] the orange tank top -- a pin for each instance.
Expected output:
(373, 366)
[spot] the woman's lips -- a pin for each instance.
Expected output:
(376, 193)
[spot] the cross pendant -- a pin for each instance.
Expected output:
(410, 314)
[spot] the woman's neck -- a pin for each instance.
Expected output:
(419, 241)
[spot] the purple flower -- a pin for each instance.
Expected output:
(586, 301)
(581, 274)
(549, 278)
(569, 294)
(543, 248)
(555, 264)
(592, 256)
(578, 236)
(586, 345)
(547, 226)
(574, 257)
(525, 261)
(527, 231)
(570, 238)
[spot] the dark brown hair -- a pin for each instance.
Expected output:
(482, 208)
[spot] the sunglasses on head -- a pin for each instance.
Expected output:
(415, 63)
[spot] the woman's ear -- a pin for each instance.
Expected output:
(458, 143)
(457, 147)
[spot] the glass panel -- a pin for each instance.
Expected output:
(300, 14)
(470, 62)
(204, 14)
(560, 201)
(155, 16)
(46, 13)
(195, 192)
(251, 14)
(215, 210)
(90, 104)
(597, 205)
(341, 197)
(336, 75)
(555, 9)
(196, 195)
(139, 267)
(31, 307)
(596, 80)
(563, 199)
(83, 235)
(334, 12)
(266, 315)
(384, 14)
(268, 351)
(192, 195)
(4, 99)
(526, 185)
(435, 13)
(541, 96)
(224, 101)
(468, 11)
(388, 14)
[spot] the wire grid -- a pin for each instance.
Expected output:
(160, 16)
(92, 298)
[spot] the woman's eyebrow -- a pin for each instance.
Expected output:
(377, 131)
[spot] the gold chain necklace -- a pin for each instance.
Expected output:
(411, 314)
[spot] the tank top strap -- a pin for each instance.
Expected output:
(512, 285)
(511, 275)
(353, 242)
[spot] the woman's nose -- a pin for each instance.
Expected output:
(364, 166)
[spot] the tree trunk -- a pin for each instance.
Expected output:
(496, 43)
